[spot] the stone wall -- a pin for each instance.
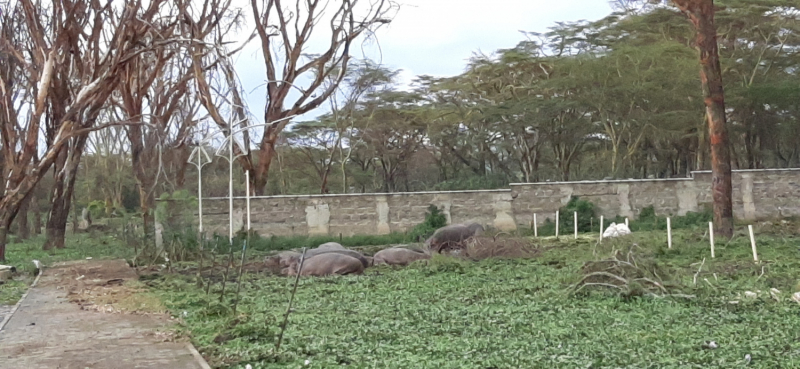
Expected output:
(758, 194)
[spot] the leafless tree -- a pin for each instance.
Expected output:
(61, 62)
(287, 33)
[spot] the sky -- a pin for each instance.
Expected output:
(437, 37)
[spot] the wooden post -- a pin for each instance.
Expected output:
(711, 235)
(556, 223)
(753, 242)
(601, 228)
(575, 223)
(669, 233)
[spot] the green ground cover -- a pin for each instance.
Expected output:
(521, 313)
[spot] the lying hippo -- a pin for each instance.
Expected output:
(399, 256)
(331, 246)
(315, 252)
(453, 235)
(328, 264)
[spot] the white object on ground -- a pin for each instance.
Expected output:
(750, 294)
(616, 230)
(796, 297)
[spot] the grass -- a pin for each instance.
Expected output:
(518, 313)
(79, 246)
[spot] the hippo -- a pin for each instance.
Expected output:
(314, 252)
(328, 264)
(452, 235)
(399, 256)
(331, 246)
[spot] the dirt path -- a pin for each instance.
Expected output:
(84, 315)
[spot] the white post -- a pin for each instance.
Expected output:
(669, 233)
(230, 188)
(711, 234)
(200, 200)
(247, 197)
(601, 228)
(575, 221)
(626, 223)
(535, 226)
(556, 223)
(753, 242)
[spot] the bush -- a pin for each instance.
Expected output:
(434, 219)
(649, 221)
(586, 218)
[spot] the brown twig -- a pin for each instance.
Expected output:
(291, 301)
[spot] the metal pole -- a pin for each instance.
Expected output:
(246, 241)
(230, 188)
(200, 198)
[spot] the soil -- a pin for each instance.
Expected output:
(92, 314)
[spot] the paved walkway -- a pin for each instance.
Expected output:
(49, 331)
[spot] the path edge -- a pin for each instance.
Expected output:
(200, 360)
(8, 317)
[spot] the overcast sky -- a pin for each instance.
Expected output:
(437, 37)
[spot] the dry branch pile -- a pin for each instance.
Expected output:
(479, 248)
(629, 274)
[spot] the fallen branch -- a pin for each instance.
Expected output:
(698, 271)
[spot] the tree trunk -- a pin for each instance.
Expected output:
(37, 215)
(63, 189)
(6, 218)
(3, 240)
(701, 14)
(23, 231)
(260, 173)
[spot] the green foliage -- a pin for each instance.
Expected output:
(97, 209)
(79, 246)
(434, 219)
(587, 220)
(648, 220)
(454, 313)
(11, 291)
(176, 211)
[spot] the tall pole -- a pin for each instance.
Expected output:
(230, 188)
(200, 198)
(246, 241)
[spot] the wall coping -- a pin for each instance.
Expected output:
(603, 181)
(315, 196)
(751, 170)
(503, 190)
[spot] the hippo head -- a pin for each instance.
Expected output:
(476, 229)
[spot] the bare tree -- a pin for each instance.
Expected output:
(61, 63)
(154, 88)
(286, 33)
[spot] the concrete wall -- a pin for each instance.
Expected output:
(758, 194)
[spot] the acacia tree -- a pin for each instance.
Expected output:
(287, 32)
(61, 64)
(155, 88)
(701, 14)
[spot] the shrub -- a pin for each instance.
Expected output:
(648, 220)
(434, 219)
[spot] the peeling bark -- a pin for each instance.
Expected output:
(701, 14)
